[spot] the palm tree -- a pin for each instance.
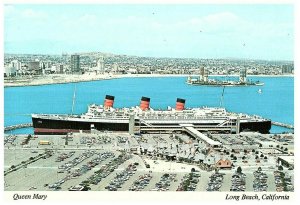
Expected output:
(239, 170)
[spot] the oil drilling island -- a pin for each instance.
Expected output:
(203, 80)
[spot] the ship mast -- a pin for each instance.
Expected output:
(222, 97)
(74, 96)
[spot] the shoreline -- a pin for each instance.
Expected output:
(65, 79)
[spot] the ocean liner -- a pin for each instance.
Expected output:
(143, 119)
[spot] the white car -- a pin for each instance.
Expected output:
(31, 188)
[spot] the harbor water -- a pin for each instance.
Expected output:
(275, 100)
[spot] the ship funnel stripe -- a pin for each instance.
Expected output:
(145, 99)
(109, 97)
(180, 100)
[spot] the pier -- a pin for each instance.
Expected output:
(282, 125)
(19, 126)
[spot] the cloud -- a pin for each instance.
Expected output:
(9, 12)
(9, 9)
(227, 23)
(213, 23)
(169, 33)
(220, 18)
(29, 13)
(268, 29)
(88, 19)
(13, 13)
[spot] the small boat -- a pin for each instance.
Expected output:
(259, 91)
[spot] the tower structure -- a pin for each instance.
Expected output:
(75, 63)
(203, 74)
(243, 75)
(100, 65)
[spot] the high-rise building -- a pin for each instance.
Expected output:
(34, 67)
(115, 67)
(100, 65)
(16, 64)
(75, 63)
(261, 70)
(61, 68)
(10, 71)
(287, 69)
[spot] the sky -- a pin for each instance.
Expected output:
(262, 31)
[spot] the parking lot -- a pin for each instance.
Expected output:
(105, 162)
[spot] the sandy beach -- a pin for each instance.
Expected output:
(65, 78)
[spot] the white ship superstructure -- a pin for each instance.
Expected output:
(145, 119)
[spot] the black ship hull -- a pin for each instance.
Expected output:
(262, 127)
(59, 127)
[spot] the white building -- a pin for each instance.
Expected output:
(16, 64)
(100, 65)
(10, 71)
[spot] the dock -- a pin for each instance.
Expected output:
(19, 126)
(280, 124)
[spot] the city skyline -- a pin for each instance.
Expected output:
(177, 31)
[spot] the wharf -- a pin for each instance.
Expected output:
(283, 125)
(19, 126)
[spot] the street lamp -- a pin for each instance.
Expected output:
(25, 170)
(15, 152)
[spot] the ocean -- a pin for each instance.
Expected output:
(276, 101)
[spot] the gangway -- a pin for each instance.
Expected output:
(198, 135)
(146, 123)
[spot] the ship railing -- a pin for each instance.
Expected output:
(185, 118)
(244, 115)
(164, 128)
(195, 126)
(109, 117)
(78, 117)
